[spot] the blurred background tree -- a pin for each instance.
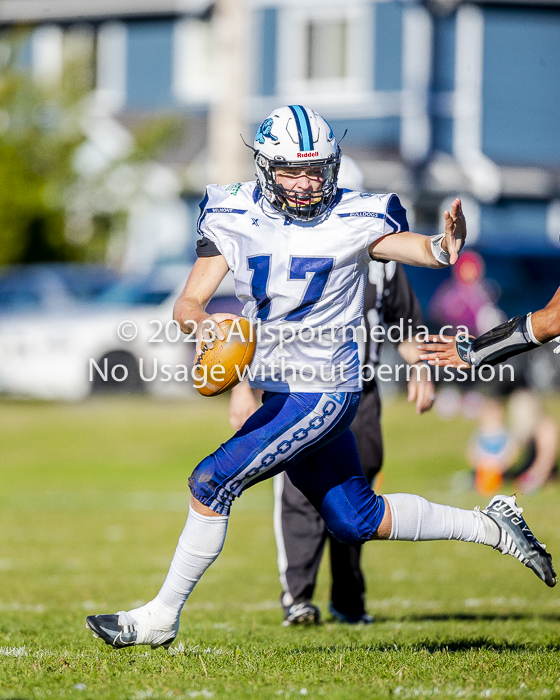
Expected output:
(68, 170)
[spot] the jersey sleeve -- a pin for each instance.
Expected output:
(392, 220)
(205, 248)
(395, 216)
(373, 215)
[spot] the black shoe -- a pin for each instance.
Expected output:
(107, 628)
(121, 630)
(363, 619)
(304, 613)
(516, 538)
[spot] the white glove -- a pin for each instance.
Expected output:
(556, 350)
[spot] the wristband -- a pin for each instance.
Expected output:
(437, 251)
(530, 329)
(464, 350)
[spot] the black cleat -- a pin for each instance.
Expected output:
(122, 630)
(303, 613)
(363, 619)
(107, 628)
(517, 539)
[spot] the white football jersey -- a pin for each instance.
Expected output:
(302, 283)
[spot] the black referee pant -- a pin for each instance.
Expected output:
(301, 532)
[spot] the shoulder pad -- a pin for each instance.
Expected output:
(353, 201)
(222, 200)
(230, 199)
(361, 209)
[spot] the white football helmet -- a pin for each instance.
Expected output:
(296, 137)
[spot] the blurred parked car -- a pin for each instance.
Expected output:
(51, 286)
(74, 350)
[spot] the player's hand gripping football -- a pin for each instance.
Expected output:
(455, 231)
(209, 330)
(227, 347)
(441, 350)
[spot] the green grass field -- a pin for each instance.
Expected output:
(93, 497)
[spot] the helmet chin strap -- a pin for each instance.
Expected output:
(304, 209)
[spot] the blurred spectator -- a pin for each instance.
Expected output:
(491, 451)
(536, 438)
(526, 449)
(466, 299)
(450, 402)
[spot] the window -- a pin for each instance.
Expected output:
(149, 63)
(321, 49)
(326, 49)
(193, 78)
(59, 52)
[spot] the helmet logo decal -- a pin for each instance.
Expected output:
(264, 131)
(309, 154)
(303, 127)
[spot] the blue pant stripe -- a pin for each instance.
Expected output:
(243, 447)
(315, 438)
(271, 457)
(308, 435)
(252, 458)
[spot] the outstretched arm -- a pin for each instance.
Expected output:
(518, 335)
(414, 249)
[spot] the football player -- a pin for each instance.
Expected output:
(299, 250)
(519, 334)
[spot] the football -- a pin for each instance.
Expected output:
(218, 369)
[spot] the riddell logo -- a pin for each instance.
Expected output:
(309, 154)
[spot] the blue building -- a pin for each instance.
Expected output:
(439, 99)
